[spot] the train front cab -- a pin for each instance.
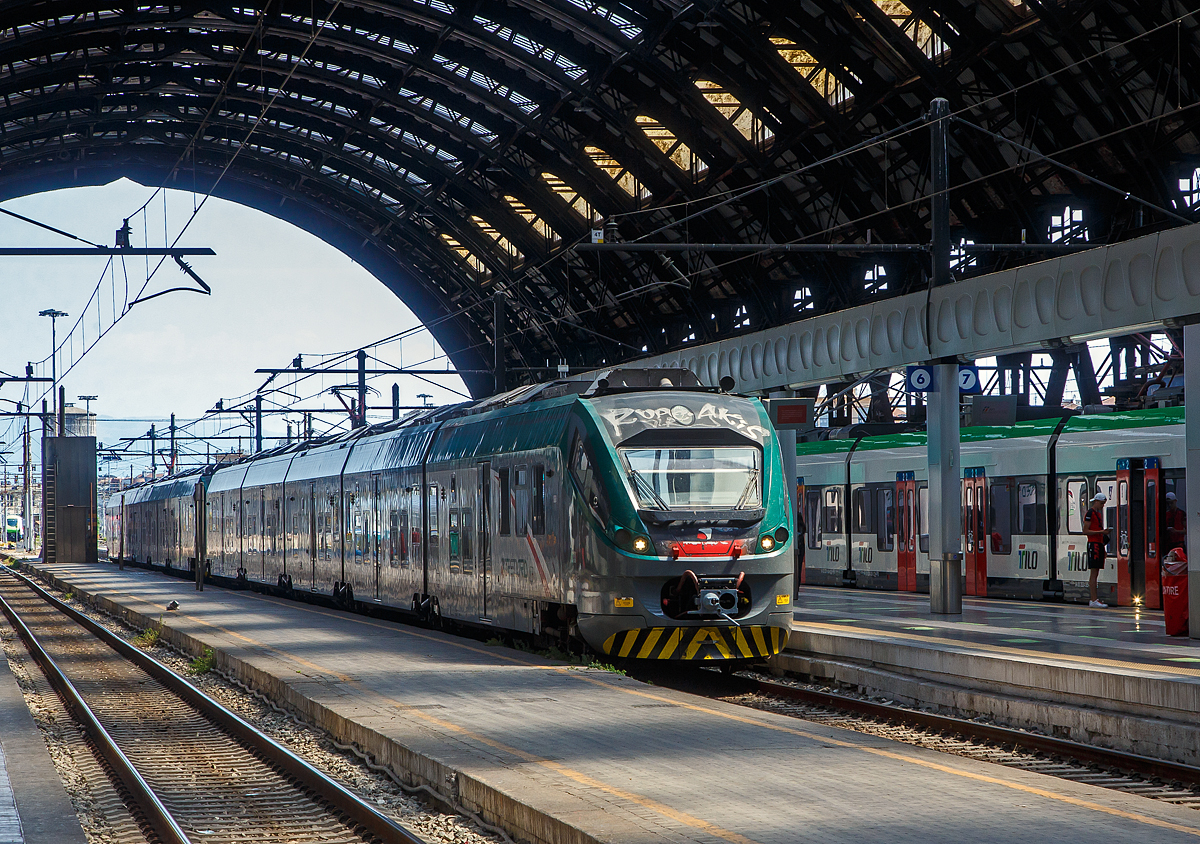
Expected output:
(683, 496)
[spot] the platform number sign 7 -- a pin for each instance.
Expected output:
(968, 379)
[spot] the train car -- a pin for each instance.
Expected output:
(1017, 541)
(642, 514)
(1135, 458)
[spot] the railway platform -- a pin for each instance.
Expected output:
(556, 753)
(1107, 676)
(34, 807)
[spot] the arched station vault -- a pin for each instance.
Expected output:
(458, 148)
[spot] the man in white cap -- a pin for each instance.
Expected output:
(1093, 526)
(1176, 524)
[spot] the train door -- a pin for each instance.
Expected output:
(906, 543)
(1152, 477)
(1139, 503)
(975, 530)
(312, 533)
(485, 534)
(376, 534)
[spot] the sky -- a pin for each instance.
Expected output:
(277, 291)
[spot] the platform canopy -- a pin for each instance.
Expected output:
(457, 149)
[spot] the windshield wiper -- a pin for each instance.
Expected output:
(741, 504)
(640, 482)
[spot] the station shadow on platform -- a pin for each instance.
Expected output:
(555, 753)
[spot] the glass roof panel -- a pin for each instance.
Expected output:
(537, 223)
(574, 71)
(816, 74)
(616, 171)
(625, 26)
(487, 83)
(742, 118)
(676, 150)
(920, 32)
(506, 245)
(572, 197)
(465, 255)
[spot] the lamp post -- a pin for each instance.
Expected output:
(54, 315)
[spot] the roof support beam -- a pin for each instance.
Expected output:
(1143, 283)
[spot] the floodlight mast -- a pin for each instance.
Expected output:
(54, 315)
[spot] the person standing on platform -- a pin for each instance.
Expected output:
(1176, 523)
(1093, 526)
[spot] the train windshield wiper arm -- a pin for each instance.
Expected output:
(741, 504)
(640, 482)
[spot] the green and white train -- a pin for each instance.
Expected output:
(864, 504)
(641, 513)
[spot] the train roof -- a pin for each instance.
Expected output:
(1152, 418)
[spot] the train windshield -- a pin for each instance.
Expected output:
(723, 478)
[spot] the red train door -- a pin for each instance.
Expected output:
(1152, 595)
(1124, 525)
(975, 532)
(906, 539)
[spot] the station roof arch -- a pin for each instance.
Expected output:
(458, 149)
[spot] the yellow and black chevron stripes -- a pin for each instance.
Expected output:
(757, 642)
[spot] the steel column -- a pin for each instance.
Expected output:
(1191, 387)
(499, 327)
(945, 493)
(361, 420)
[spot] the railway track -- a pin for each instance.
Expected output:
(1154, 778)
(189, 770)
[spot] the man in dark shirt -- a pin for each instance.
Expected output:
(1093, 526)
(1176, 524)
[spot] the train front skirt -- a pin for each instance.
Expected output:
(696, 643)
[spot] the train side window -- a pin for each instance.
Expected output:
(539, 500)
(1027, 504)
(453, 534)
(404, 538)
(885, 521)
(923, 519)
(1151, 512)
(1077, 502)
(1109, 487)
(583, 470)
(1173, 482)
(833, 510)
(812, 518)
(1123, 519)
(860, 511)
(1001, 515)
(505, 503)
(394, 537)
(464, 541)
(432, 509)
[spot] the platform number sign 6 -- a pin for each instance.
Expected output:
(919, 379)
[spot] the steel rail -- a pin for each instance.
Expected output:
(325, 789)
(1146, 765)
(155, 814)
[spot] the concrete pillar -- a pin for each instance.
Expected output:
(1191, 387)
(945, 493)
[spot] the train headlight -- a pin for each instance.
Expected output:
(781, 534)
(767, 542)
(641, 544)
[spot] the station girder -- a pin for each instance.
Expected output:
(458, 149)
